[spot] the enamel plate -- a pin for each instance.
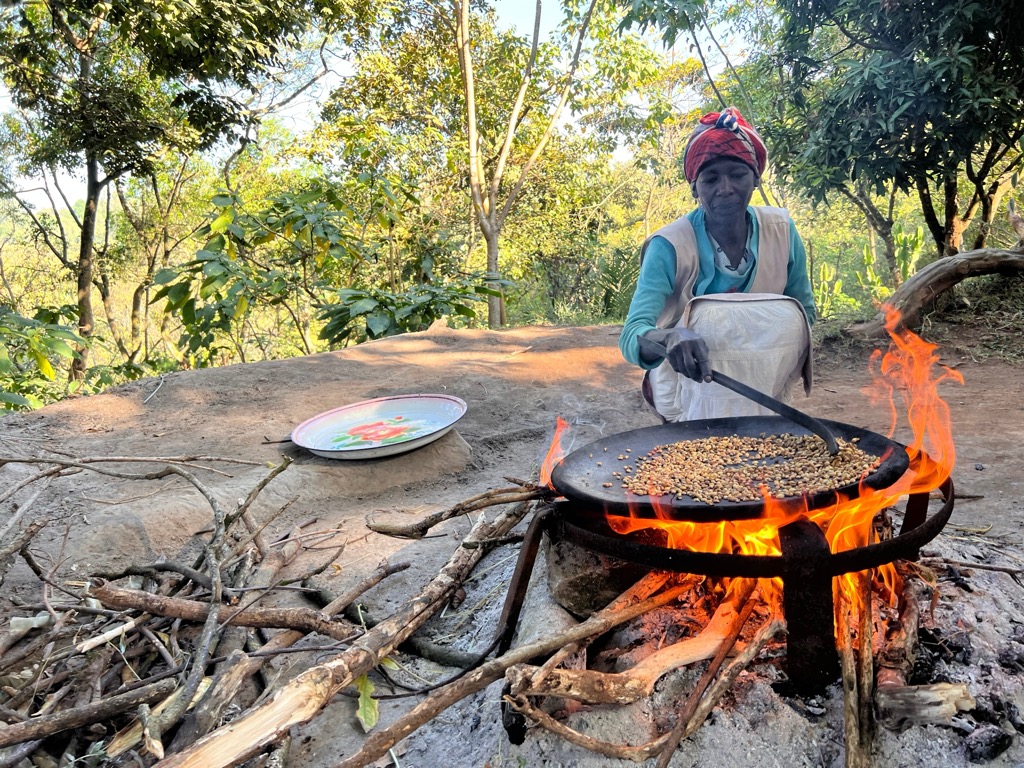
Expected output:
(384, 426)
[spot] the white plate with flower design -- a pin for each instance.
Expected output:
(385, 426)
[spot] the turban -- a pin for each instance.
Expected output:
(723, 134)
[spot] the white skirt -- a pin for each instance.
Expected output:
(762, 340)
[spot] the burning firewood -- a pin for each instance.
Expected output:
(642, 752)
(633, 603)
(900, 705)
(594, 687)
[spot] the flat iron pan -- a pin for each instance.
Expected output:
(581, 475)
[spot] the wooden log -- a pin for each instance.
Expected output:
(921, 289)
(900, 707)
(104, 709)
(855, 754)
(642, 752)
(303, 697)
(379, 742)
(895, 660)
(305, 619)
(632, 684)
(743, 588)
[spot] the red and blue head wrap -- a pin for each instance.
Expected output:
(723, 134)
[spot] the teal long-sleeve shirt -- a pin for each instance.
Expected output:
(658, 271)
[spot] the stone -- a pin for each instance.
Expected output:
(986, 743)
(582, 581)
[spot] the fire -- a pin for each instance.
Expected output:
(906, 381)
(554, 454)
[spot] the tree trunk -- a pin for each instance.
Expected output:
(880, 225)
(920, 291)
(494, 303)
(86, 320)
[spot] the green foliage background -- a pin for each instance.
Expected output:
(224, 233)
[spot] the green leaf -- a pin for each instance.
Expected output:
(363, 306)
(16, 400)
(368, 711)
(59, 347)
(378, 323)
(164, 276)
(221, 223)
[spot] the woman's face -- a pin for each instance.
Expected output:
(724, 187)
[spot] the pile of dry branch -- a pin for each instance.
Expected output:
(165, 663)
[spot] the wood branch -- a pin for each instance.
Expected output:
(979, 566)
(768, 632)
(643, 589)
(234, 672)
(637, 682)
(378, 743)
(304, 619)
(900, 707)
(925, 286)
(481, 501)
(855, 757)
(646, 751)
(866, 667)
(896, 659)
(130, 736)
(302, 698)
(743, 589)
(46, 725)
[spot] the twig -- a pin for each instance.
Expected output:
(300, 699)
(211, 629)
(29, 480)
(22, 509)
(964, 564)
(152, 394)
(130, 499)
(744, 589)
(304, 619)
(473, 504)
(377, 744)
(243, 508)
(151, 570)
(119, 631)
(47, 725)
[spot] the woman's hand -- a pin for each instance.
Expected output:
(685, 351)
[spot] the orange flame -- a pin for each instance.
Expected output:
(555, 453)
(906, 379)
(907, 375)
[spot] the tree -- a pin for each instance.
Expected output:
(479, 106)
(920, 96)
(107, 86)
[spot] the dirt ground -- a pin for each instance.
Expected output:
(515, 382)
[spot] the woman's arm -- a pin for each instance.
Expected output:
(657, 277)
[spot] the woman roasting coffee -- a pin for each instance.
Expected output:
(724, 287)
